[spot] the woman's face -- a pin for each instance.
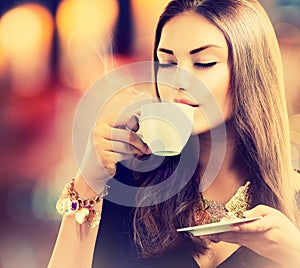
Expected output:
(191, 44)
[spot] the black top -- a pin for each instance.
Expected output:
(115, 248)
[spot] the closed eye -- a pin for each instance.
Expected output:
(205, 65)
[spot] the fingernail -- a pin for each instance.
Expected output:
(235, 228)
(148, 151)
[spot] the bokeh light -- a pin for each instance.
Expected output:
(85, 31)
(145, 19)
(25, 34)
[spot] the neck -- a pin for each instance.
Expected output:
(229, 172)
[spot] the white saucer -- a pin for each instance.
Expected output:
(214, 228)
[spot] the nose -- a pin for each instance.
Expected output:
(182, 79)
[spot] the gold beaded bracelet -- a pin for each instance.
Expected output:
(71, 203)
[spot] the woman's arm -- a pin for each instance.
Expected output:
(109, 142)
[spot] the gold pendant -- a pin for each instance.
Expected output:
(81, 215)
(61, 206)
(94, 219)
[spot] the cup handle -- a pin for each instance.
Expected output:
(137, 116)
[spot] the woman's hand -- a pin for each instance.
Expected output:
(274, 236)
(111, 141)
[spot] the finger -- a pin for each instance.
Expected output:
(131, 146)
(133, 123)
(106, 135)
(114, 120)
(124, 120)
(120, 120)
(211, 238)
(135, 141)
(131, 138)
(261, 210)
(122, 148)
(258, 226)
(108, 158)
(229, 237)
(125, 107)
(127, 121)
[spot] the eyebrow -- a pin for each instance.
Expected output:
(168, 51)
(194, 51)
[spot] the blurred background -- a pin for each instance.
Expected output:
(50, 53)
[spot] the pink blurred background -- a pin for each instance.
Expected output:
(50, 53)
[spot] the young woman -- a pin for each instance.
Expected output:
(231, 47)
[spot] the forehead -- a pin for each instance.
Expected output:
(190, 30)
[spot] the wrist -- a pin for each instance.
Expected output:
(85, 209)
(83, 188)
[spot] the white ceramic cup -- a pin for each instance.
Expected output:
(166, 127)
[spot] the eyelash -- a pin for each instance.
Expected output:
(205, 65)
(198, 65)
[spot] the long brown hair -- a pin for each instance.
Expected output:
(260, 124)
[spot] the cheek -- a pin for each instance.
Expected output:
(224, 97)
(215, 110)
(228, 107)
(220, 90)
(212, 116)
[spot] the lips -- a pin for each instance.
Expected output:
(186, 101)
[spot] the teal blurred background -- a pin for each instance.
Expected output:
(50, 53)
